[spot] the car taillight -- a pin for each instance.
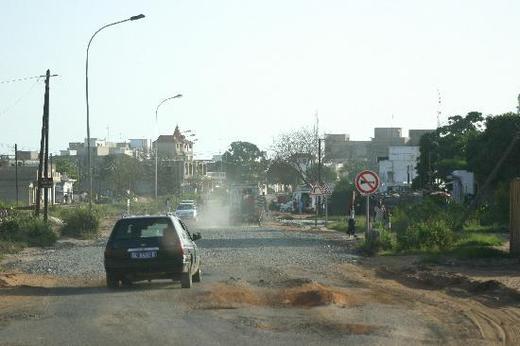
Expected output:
(181, 249)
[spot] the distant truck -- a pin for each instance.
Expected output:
(244, 203)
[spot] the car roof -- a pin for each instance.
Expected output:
(134, 217)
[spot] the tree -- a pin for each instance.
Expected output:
(117, 174)
(243, 162)
(351, 168)
(325, 174)
(341, 198)
(67, 165)
(445, 150)
(280, 172)
(484, 153)
(298, 149)
(486, 149)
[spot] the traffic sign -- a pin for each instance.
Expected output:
(46, 182)
(367, 182)
(316, 190)
(320, 190)
(326, 189)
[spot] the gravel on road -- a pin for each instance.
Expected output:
(221, 249)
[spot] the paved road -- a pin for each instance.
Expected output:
(261, 286)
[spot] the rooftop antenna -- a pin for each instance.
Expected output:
(439, 111)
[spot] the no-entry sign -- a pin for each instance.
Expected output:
(367, 182)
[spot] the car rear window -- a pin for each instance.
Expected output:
(185, 207)
(127, 229)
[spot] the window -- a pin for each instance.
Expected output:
(182, 233)
(128, 229)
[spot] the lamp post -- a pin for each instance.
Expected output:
(157, 141)
(140, 16)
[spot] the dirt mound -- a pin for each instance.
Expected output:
(315, 294)
(305, 294)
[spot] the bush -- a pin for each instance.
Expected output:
(381, 239)
(80, 223)
(430, 235)
(28, 230)
(435, 235)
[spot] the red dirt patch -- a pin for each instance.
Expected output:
(316, 294)
(306, 295)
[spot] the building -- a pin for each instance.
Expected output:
(463, 185)
(27, 174)
(26, 155)
(414, 136)
(398, 170)
(176, 147)
(384, 138)
(141, 147)
(340, 149)
(26, 178)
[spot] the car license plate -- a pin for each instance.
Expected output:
(143, 254)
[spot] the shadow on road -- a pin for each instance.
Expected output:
(265, 242)
(36, 291)
(491, 292)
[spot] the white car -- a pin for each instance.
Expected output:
(286, 207)
(186, 211)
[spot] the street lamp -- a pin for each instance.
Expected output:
(157, 132)
(140, 16)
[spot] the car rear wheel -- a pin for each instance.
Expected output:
(112, 281)
(197, 275)
(186, 280)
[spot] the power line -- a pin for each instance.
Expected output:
(24, 79)
(11, 106)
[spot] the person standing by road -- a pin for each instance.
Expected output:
(351, 226)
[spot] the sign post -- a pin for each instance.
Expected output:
(320, 190)
(367, 182)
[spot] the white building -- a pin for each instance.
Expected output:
(141, 144)
(463, 184)
(398, 171)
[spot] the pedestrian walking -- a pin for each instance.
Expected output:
(351, 226)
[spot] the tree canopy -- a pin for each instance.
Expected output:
(445, 150)
(299, 150)
(244, 162)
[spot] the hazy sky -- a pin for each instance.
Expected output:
(251, 69)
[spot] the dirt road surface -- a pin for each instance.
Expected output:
(265, 285)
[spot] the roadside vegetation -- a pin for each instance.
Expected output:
(428, 228)
(80, 223)
(21, 229)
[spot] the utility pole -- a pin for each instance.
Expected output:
(46, 162)
(43, 168)
(16, 170)
(52, 177)
(319, 161)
